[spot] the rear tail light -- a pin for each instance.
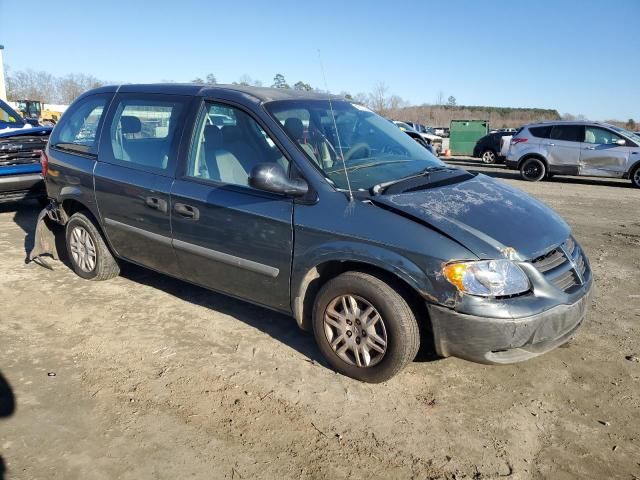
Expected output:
(44, 163)
(515, 141)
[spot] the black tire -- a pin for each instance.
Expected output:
(397, 318)
(533, 169)
(105, 265)
(489, 157)
(635, 177)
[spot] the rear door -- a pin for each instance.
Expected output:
(227, 235)
(601, 155)
(133, 178)
(563, 148)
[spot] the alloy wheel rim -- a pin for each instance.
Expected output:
(355, 331)
(488, 157)
(83, 250)
(636, 177)
(532, 170)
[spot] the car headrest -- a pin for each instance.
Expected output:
(293, 126)
(231, 134)
(212, 136)
(130, 124)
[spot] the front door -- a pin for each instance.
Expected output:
(133, 178)
(601, 155)
(228, 236)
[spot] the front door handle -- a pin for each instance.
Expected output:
(591, 148)
(186, 211)
(552, 144)
(156, 203)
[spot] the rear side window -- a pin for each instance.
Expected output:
(78, 128)
(541, 132)
(569, 133)
(143, 130)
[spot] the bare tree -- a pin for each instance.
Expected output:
(361, 98)
(31, 85)
(73, 85)
(378, 100)
(244, 80)
(440, 98)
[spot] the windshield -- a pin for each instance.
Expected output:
(633, 136)
(373, 149)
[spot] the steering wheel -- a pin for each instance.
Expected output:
(358, 147)
(394, 149)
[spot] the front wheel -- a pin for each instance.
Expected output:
(88, 253)
(533, 169)
(635, 177)
(364, 328)
(489, 157)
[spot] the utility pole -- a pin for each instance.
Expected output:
(3, 88)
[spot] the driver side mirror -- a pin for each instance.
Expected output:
(271, 177)
(621, 142)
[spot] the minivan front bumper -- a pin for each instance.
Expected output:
(500, 341)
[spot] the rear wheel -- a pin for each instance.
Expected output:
(364, 328)
(88, 253)
(533, 169)
(489, 157)
(635, 177)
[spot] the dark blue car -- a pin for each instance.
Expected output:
(20, 147)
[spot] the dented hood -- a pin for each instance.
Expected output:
(484, 215)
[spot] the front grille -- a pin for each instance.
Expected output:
(23, 149)
(565, 266)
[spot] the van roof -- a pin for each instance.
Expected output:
(262, 94)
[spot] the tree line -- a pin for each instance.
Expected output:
(40, 85)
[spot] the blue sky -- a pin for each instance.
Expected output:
(581, 57)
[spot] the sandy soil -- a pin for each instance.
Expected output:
(145, 377)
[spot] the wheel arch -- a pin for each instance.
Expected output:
(390, 267)
(633, 168)
(70, 204)
(527, 156)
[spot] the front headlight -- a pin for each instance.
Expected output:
(487, 278)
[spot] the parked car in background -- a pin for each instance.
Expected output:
(434, 141)
(488, 148)
(20, 147)
(504, 130)
(442, 131)
(348, 225)
(575, 148)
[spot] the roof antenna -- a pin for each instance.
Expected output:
(335, 125)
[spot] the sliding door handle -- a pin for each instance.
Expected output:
(186, 211)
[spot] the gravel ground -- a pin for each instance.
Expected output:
(145, 376)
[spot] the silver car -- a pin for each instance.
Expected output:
(595, 149)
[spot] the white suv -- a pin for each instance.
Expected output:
(575, 148)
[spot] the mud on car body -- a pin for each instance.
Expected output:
(317, 208)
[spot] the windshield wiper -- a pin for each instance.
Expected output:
(369, 165)
(381, 187)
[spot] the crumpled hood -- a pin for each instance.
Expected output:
(486, 216)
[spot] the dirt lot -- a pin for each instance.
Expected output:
(157, 379)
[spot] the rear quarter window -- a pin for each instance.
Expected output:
(541, 132)
(78, 129)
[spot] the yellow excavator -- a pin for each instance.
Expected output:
(33, 110)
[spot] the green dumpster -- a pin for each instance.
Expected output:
(464, 134)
